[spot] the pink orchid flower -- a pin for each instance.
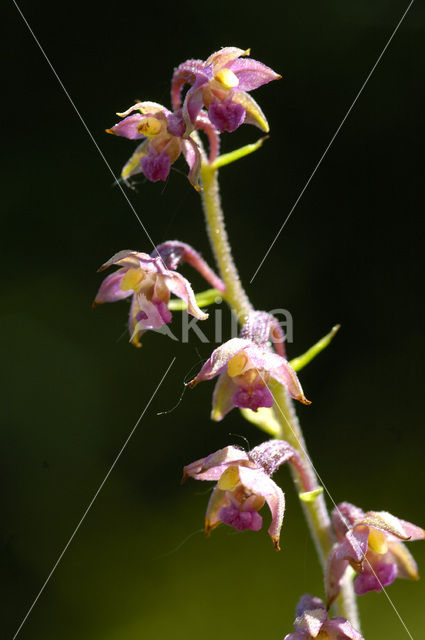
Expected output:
(245, 365)
(312, 621)
(221, 84)
(151, 279)
(164, 139)
(372, 543)
(244, 485)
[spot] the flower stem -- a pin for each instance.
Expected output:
(315, 510)
(234, 294)
(346, 603)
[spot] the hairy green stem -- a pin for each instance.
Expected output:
(235, 294)
(346, 603)
(315, 510)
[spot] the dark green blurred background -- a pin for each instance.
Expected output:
(73, 387)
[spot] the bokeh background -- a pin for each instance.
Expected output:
(140, 567)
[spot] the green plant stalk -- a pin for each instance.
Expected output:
(234, 294)
(315, 510)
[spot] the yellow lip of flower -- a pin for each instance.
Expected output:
(377, 541)
(227, 78)
(229, 479)
(132, 279)
(237, 364)
(322, 636)
(150, 126)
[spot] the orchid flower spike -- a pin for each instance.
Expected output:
(151, 280)
(164, 139)
(312, 622)
(245, 365)
(371, 543)
(244, 485)
(221, 84)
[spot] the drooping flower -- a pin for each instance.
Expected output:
(312, 622)
(244, 485)
(164, 139)
(221, 84)
(371, 543)
(245, 365)
(151, 279)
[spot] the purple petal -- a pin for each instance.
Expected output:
(354, 548)
(412, 531)
(186, 73)
(128, 128)
(241, 520)
(355, 544)
(345, 516)
(146, 108)
(335, 570)
(226, 115)
(219, 358)
(253, 399)
(394, 527)
(110, 289)
(382, 575)
(176, 124)
(156, 165)
(212, 467)
(251, 73)
(204, 123)
(180, 287)
(223, 56)
(341, 629)
(130, 258)
(193, 159)
(308, 602)
(164, 311)
(278, 368)
(259, 483)
(311, 621)
(193, 103)
(298, 635)
(156, 313)
(146, 314)
(227, 455)
(285, 374)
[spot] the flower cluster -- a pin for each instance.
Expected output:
(251, 366)
(217, 101)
